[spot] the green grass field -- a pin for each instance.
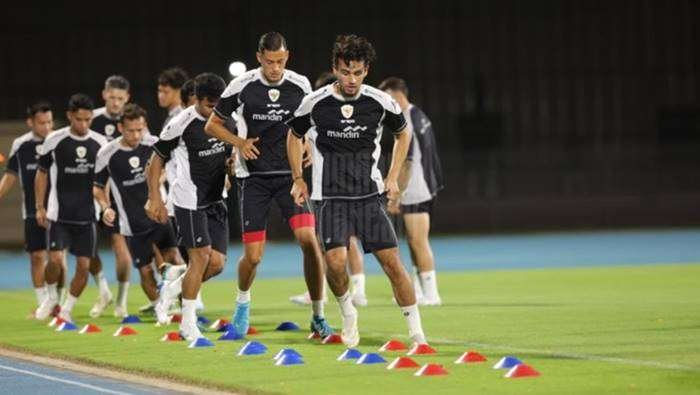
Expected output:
(612, 330)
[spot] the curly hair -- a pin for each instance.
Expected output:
(353, 48)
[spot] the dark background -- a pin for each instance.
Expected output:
(549, 114)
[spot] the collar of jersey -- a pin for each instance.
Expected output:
(341, 97)
(35, 137)
(265, 82)
(79, 138)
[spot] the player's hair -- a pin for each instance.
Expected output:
(353, 48)
(40, 106)
(272, 41)
(117, 82)
(187, 90)
(80, 101)
(173, 77)
(132, 112)
(209, 86)
(394, 84)
(324, 79)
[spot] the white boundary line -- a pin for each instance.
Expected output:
(64, 381)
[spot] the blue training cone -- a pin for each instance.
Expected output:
(231, 335)
(507, 362)
(201, 342)
(252, 348)
(370, 358)
(131, 319)
(287, 326)
(289, 359)
(348, 354)
(66, 326)
(203, 320)
(226, 328)
(286, 351)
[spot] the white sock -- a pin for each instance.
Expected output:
(345, 304)
(122, 293)
(417, 286)
(41, 294)
(52, 291)
(188, 311)
(415, 328)
(199, 298)
(429, 281)
(69, 303)
(358, 283)
(175, 286)
(317, 307)
(243, 296)
(101, 281)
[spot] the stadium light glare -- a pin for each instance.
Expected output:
(237, 68)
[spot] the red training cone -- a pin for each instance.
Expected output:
(402, 363)
(421, 349)
(471, 357)
(521, 370)
(176, 318)
(125, 331)
(172, 337)
(55, 322)
(313, 335)
(393, 345)
(431, 369)
(90, 328)
(332, 339)
(252, 330)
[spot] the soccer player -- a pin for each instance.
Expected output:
(197, 195)
(22, 165)
(355, 259)
(422, 179)
(68, 158)
(121, 163)
(344, 123)
(264, 98)
(187, 96)
(170, 83)
(104, 121)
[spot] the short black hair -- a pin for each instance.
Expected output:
(117, 82)
(394, 84)
(187, 90)
(80, 101)
(271, 41)
(209, 86)
(353, 48)
(173, 77)
(131, 112)
(324, 79)
(40, 106)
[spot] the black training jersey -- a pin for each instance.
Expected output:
(200, 160)
(70, 161)
(123, 167)
(426, 171)
(262, 109)
(104, 124)
(345, 136)
(23, 161)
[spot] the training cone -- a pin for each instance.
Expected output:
(350, 353)
(393, 345)
(176, 318)
(507, 362)
(131, 319)
(231, 335)
(218, 324)
(471, 357)
(66, 326)
(289, 359)
(201, 342)
(90, 328)
(421, 349)
(287, 326)
(313, 336)
(228, 327)
(370, 358)
(332, 339)
(203, 320)
(431, 369)
(521, 370)
(252, 348)
(125, 331)
(252, 331)
(172, 337)
(402, 363)
(286, 351)
(55, 321)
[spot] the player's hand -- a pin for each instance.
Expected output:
(300, 191)
(394, 207)
(227, 184)
(392, 192)
(249, 150)
(41, 218)
(231, 165)
(108, 216)
(155, 210)
(307, 160)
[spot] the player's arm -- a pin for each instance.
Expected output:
(295, 153)
(398, 157)
(107, 212)
(9, 179)
(215, 127)
(40, 185)
(155, 208)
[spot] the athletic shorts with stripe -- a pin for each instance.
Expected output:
(255, 196)
(34, 236)
(80, 239)
(141, 245)
(207, 226)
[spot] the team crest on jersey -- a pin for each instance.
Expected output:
(81, 152)
(347, 110)
(134, 161)
(274, 94)
(109, 130)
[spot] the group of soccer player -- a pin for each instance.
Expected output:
(160, 198)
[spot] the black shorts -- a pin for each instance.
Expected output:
(255, 196)
(423, 207)
(203, 227)
(338, 219)
(141, 245)
(34, 236)
(81, 240)
(178, 239)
